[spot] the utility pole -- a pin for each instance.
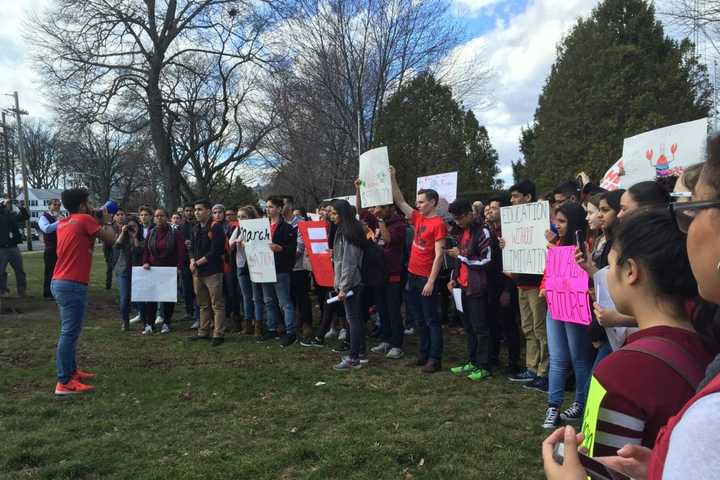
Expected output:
(6, 158)
(21, 153)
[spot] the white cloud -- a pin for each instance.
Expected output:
(16, 73)
(521, 51)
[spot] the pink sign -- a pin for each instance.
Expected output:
(566, 287)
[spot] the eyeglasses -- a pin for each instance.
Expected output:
(685, 213)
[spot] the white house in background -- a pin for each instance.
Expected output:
(39, 201)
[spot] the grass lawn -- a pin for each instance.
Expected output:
(165, 408)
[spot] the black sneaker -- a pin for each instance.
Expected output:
(342, 347)
(217, 341)
(315, 342)
(288, 339)
(551, 418)
(540, 384)
(269, 335)
(574, 413)
(523, 376)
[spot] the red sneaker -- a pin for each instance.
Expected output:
(80, 375)
(73, 387)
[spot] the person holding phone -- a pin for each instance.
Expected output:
(569, 344)
(128, 252)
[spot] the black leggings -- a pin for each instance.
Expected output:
(151, 312)
(477, 330)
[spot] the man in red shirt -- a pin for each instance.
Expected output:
(75, 238)
(426, 256)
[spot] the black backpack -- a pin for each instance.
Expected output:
(373, 269)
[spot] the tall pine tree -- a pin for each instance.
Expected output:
(428, 132)
(616, 75)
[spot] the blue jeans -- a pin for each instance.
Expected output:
(425, 312)
(277, 296)
(387, 300)
(569, 346)
(71, 299)
(124, 283)
(252, 298)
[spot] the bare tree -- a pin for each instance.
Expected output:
(108, 61)
(348, 57)
(42, 153)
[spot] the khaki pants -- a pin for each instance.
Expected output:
(533, 311)
(209, 295)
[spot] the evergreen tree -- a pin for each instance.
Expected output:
(616, 75)
(428, 132)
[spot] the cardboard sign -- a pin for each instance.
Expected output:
(443, 183)
(159, 284)
(663, 152)
(255, 233)
(375, 186)
(314, 234)
(566, 287)
(523, 229)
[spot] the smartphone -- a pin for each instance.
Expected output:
(580, 240)
(594, 469)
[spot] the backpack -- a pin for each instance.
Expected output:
(373, 269)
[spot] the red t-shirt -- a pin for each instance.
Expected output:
(273, 227)
(464, 273)
(427, 232)
(75, 239)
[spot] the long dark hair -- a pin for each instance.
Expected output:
(575, 215)
(651, 238)
(349, 226)
(649, 194)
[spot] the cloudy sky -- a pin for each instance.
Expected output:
(517, 36)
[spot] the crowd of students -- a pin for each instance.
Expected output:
(639, 361)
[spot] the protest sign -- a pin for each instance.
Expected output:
(566, 287)
(457, 298)
(315, 237)
(159, 284)
(523, 229)
(255, 233)
(375, 186)
(663, 152)
(616, 335)
(613, 177)
(443, 183)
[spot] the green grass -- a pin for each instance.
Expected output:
(165, 408)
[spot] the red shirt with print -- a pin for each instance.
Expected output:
(427, 232)
(75, 239)
(464, 273)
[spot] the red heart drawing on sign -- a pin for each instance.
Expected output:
(673, 148)
(649, 155)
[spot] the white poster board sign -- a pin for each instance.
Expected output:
(663, 152)
(443, 183)
(375, 186)
(159, 284)
(261, 260)
(613, 177)
(523, 229)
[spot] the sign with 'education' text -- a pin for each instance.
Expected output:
(255, 233)
(523, 229)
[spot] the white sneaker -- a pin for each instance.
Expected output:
(195, 325)
(159, 320)
(165, 328)
(330, 333)
(409, 331)
(384, 347)
(148, 330)
(135, 319)
(342, 336)
(395, 354)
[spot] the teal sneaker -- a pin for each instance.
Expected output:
(463, 369)
(479, 374)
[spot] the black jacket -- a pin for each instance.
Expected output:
(208, 241)
(286, 236)
(481, 260)
(10, 226)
